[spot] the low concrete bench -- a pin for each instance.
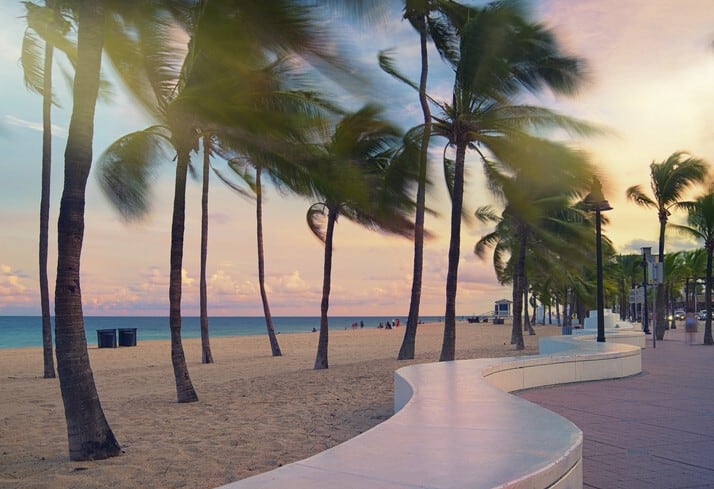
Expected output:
(455, 426)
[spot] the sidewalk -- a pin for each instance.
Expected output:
(654, 430)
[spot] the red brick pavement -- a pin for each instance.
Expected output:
(654, 430)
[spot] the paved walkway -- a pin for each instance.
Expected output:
(654, 430)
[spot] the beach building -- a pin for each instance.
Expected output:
(502, 310)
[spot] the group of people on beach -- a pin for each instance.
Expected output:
(394, 323)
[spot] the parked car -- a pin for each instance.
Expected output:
(703, 315)
(679, 314)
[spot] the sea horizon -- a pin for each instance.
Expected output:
(24, 331)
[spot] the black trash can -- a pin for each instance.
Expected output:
(127, 336)
(107, 338)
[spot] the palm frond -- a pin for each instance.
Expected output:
(317, 219)
(636, 195)
(127, 168)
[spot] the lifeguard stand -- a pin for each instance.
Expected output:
(502, 310)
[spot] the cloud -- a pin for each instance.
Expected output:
(14, 288)
(34, 126)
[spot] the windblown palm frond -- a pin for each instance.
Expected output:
(127, 169)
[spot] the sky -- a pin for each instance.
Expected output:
(651, 75)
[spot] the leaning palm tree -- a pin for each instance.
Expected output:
(49, 24)
(669, 180)
(351, 172)
(700, 225)
(539, 215)
(90, 436)
(501, 53)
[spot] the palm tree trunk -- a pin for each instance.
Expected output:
(708, 340)
(518, 280)
(48, 360)
(406, 352)
(184, 387)
(321, 357)
(89, 434)
(206, 356)
(274, 346)
(448, 346)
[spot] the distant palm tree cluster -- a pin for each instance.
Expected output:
(245, 91)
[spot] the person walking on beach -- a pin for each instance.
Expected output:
(690, 327)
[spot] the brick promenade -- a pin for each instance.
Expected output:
(654, 430)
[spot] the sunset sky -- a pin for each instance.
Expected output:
(651, 66)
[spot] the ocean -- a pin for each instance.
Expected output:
(26, 331)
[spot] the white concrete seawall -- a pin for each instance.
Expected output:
(456, 426)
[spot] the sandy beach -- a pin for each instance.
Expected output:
(255, 412)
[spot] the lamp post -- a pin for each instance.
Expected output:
(595, 201)
(646, 254)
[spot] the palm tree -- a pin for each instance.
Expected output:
(538, 218)
(306, 110)
(89, 434)
(669, 179)
(693, 266)
(46, 22)
(440, 21)
(274, 346)
(628, 271)
(125, 167)
(674, 277)
(224, 40)
(353, 168)
(206, 355)
(500, 54)
(700, 222)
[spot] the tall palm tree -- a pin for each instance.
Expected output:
(206, 355)
(353, 167)
(125, 167)
(274, 345)
(89, 434)
(501, 53)
(48, 23)
(700, 220)
(669, 180)
(440, 21)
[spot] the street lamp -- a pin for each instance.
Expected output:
(595, 201)
(646, 254)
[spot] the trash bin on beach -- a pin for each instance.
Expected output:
(106, 338)
(566, 330)
(127, 336)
